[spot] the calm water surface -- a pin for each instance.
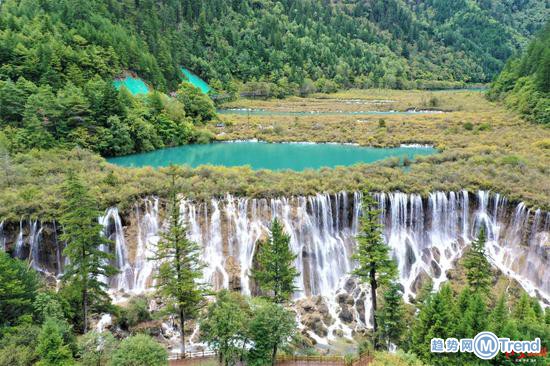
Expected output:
(273, 156)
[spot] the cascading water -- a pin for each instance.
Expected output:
(2, 237)
(426, 237)
(112, 223)
(34, 244)
(148, 237)
(19, 242)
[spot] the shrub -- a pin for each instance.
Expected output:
(137, 311)
(468, 126)
(511, 160)
(484, 127)
(96, 348)
(381, 123)
(18, 345)
(139, 350)
(51, 347)
(434, 102)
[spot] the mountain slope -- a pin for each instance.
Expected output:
(524, 84)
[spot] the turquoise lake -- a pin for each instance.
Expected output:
(196, 81)
(134, 85)
(272, 156)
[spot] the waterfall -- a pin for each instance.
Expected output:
(19, 242)
(426, 237)
(113, 230)
(148, 237)
(2, 237)
(34, 244)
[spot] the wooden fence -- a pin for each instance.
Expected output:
(208, 358)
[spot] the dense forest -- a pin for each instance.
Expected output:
(524, 84)
(58, 59)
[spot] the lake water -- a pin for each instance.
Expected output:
(273, 156)
(196, 81)
(262, 112)
(134, 85)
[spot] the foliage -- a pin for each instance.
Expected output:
(275, 272)
(478, 268)
(139, 350)
(18, 344)
(437, 319)
(398, 358)
(391, 317)
(33, 183)
(87, 262)
(270, 329)
(133, 313)
(445, 314)
(180, 270)
(524, 83)
(95, 116)
(225, 327)
(48, 305)
(197, 105)
(96, 349)
(51, 347)
(18, 289)
(374, 264)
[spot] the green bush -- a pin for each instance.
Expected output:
(137, 311)
(484, 127)
(468, 126)
(18, 345)
(140, 350)
(96, 348)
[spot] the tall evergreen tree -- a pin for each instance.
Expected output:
(87, 264)
(391, 316)
(478, 268)
(18, 286)
(437, 319)
(276, 271)
(180, 270)
(374, 264)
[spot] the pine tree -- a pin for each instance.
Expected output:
(87, 263)
(375, 266)
(180, 270)
(51, 347)
(478, 268)
(391, 316)
(18, 289)
(437, 319)
(275, 259)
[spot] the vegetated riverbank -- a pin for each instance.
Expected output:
(483, 147)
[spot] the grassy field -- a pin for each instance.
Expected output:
(483, 146)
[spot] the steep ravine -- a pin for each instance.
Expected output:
(427, 236)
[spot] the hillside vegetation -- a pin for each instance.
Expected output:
(524, 84)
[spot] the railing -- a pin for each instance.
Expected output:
(364, 359)
(197, 358)
(202, 354)
(311, 359)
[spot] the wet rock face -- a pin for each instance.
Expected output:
(314, 314)
(233, 269)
